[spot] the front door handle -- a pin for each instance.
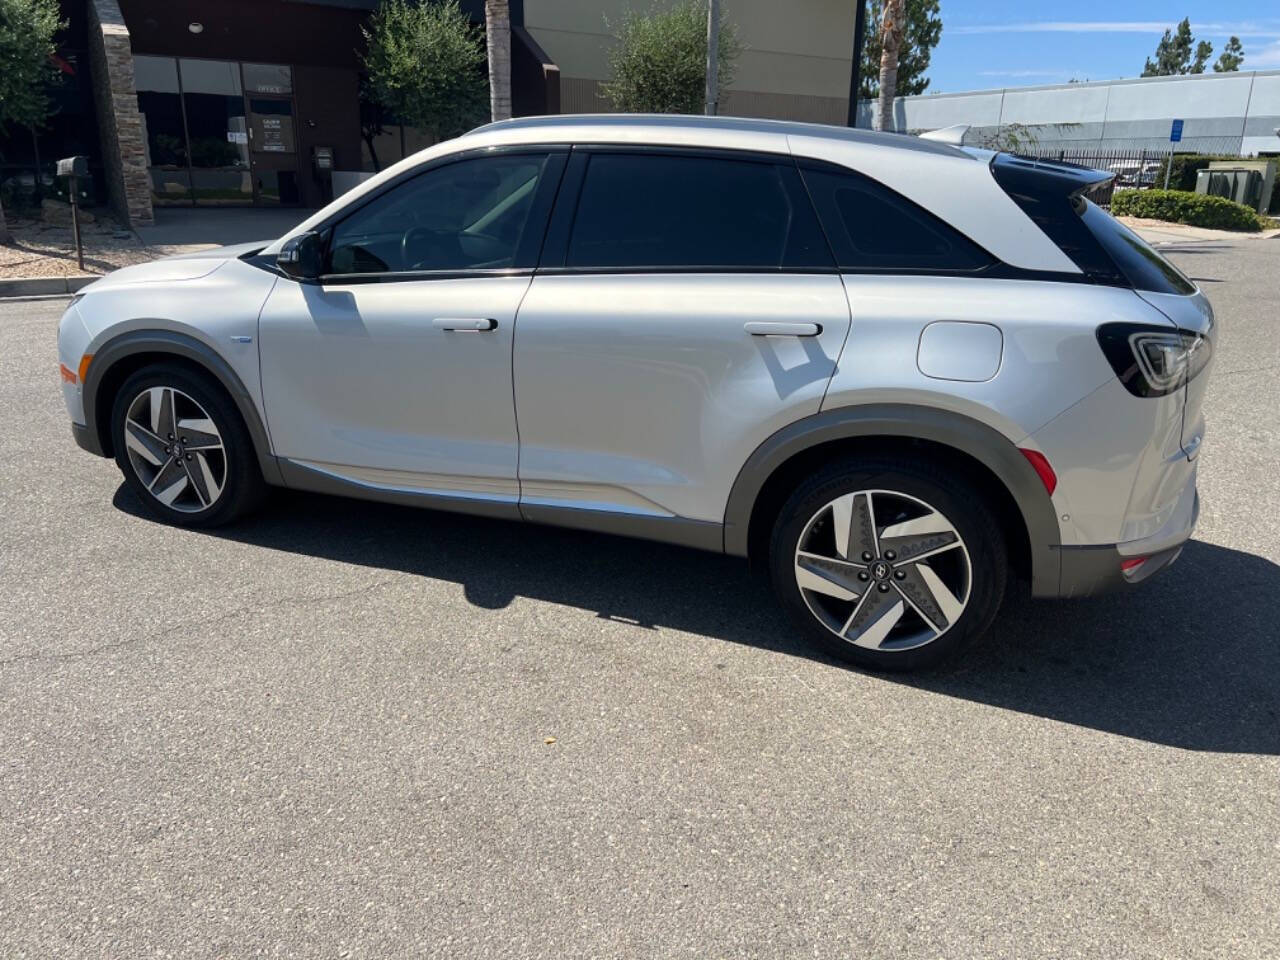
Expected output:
(760, 328)
(474, 324)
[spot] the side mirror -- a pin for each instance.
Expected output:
(302, 257)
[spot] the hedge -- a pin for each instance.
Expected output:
(1178, 206)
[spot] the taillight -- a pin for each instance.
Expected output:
(1153, 361)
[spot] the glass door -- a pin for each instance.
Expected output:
(273, 147)
(213, 100)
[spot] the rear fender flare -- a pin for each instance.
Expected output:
(979, 441)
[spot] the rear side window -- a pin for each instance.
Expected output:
(693, 212)
(871, 228)
(1142, 266)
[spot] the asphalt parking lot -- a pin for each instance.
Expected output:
(329, 732)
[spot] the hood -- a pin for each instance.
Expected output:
(182, 266)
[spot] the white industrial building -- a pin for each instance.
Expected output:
(1223, 113)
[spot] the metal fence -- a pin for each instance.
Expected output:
(1133, 169)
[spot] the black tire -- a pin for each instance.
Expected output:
(242, 488)
(947, 492)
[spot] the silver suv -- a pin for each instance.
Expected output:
(889, 371)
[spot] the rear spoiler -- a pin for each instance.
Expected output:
(1054, 176)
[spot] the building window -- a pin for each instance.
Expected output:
(160, 104)
(218, 132)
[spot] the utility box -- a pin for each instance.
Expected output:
(1245, 181)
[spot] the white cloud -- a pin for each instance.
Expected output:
(1267, 58)
(1252, 28)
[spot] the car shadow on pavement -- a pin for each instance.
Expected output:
(1190, 659)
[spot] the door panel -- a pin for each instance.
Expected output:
(359, 382)
(645, 394)
(394, 372)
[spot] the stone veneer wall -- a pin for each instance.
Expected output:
(124, 155)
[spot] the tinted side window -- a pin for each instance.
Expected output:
(468, 215)
(668, 210)
(873, 228)
(1142, 266)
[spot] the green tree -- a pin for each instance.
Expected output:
(660, 62)
(26, 72)
(425, 65)
(1231, 57)
(922, 31)
(1204, 50)
(1174, 53)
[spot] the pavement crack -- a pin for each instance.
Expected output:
(108, 648)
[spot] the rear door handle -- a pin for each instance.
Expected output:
(474, 324)
(760, 328)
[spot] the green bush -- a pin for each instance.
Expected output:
(1178, 206)
(659, 64)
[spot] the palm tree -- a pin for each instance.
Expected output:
(892, 27)
(497, 23)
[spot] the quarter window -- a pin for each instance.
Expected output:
(690, 212)
(872, 228)
(469, 215)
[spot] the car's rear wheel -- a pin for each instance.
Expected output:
(889, 563)
(183, 447)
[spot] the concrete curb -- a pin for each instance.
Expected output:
(44, 286)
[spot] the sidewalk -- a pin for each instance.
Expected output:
(42, 260)
(1159, 233)
(192, 228)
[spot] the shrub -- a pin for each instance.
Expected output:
(425, 63)
(660, 62)
(1178, 206)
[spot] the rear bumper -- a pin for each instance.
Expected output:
(87, 439)
(1088, 571)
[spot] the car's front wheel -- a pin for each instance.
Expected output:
(183, 447)
(889, 563)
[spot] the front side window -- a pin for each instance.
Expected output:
(688, 212)
(873, 228)
(469, 215)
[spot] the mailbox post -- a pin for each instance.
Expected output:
(73, 168)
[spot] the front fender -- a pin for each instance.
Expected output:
(104, 370)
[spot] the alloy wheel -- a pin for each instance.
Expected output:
(883, 570)
(175, 449)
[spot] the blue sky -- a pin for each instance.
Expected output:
(999, 43)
